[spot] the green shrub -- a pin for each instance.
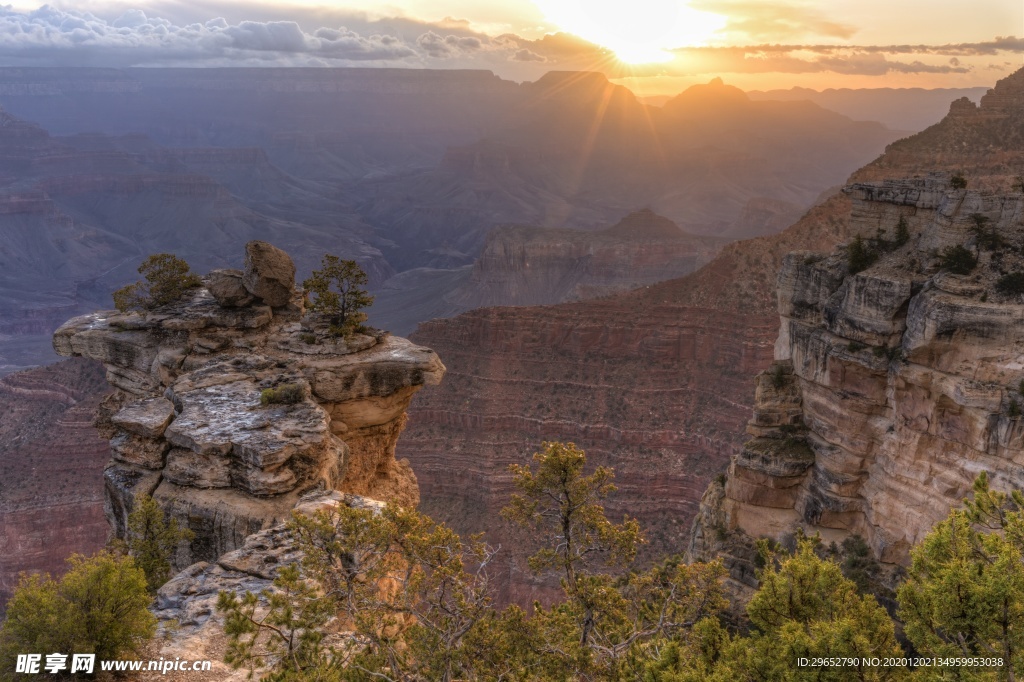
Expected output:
(987, 236)
(887, 352)
(902, 232)
(285, 394)
(859, 255)
(1011, 284)
(958, 181)
(167, 279)
(957, 260)
(1013, 410)
(855, 346)
(153, 539)
(308, 337)
(778, 376)
(98, 607)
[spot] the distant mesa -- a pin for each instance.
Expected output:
(713, 93)
(646, 224)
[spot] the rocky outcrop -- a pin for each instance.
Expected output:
(227, 414)
(892, 387)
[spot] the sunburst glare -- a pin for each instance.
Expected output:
(638, 32)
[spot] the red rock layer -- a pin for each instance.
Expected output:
(51, 468)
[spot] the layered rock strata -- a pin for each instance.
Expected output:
(892, 388)
(51, 459)
(231, 403)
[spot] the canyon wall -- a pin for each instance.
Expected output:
(893, 387)
(652, 382)
(506, 363)
(536, 266)
(898, 377)
(51, 492)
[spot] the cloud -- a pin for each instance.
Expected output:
(443, 48)
(525, 55)
(49, 36)
(754, 20)
(796, 59)
(323, 36)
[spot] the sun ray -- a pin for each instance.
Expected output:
(640, 32)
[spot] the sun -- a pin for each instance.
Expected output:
(638, 31)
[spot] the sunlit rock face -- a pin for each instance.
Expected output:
(190, 424)
(892, 387)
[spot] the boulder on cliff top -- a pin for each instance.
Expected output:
(269, 273)
(228, 288)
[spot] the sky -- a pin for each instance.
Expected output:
(655, 47)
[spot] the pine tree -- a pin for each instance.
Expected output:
(964, 593)
(338, 294)
(152, 540)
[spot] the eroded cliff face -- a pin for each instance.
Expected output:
(186, 424)
(892, 387)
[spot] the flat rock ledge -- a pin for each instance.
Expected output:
(190, 424)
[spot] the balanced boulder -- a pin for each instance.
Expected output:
(269, 273)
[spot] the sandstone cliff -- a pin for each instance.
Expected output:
(894, 386)
(186, 424)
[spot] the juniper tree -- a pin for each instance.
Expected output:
(337, 292)
(167, 279)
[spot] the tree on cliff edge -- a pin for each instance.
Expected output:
(153, 539)
(167, 279)
(337, 291)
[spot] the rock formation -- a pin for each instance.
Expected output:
(230, 404)
(188, 626)
(536, 266)
(892, 387)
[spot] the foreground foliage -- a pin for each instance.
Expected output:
(388, 594)
(98, 607)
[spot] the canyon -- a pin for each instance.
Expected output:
(401, 171)
(522, 265)
(520, 376)
(655, 382)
